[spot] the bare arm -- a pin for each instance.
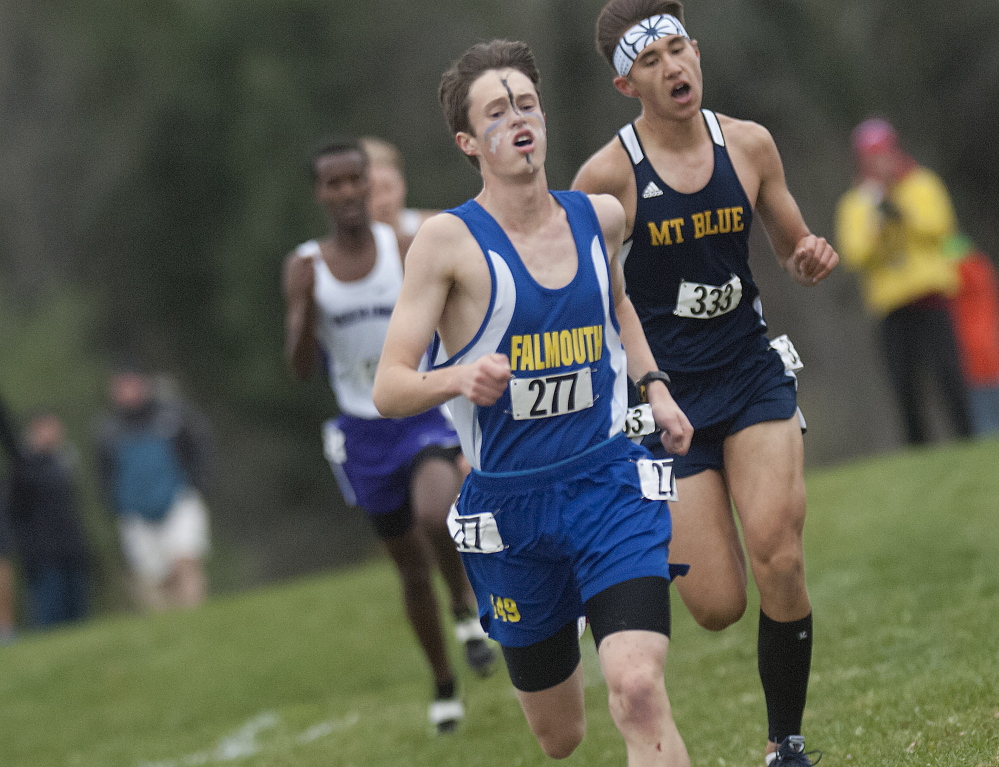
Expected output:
(431, 280)
(300, 315)
(609, 172)
(676, 429)
(807, 258)
(404, 240)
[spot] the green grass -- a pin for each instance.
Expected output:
(903, 569)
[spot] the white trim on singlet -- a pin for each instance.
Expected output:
(463, 411)
(629, 137)
(618, 360)
(714, 128)
(630, 140)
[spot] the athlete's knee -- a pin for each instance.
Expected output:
(716, 617)
(638, 697)
(782, 562)
(561, 739)
(719, 608)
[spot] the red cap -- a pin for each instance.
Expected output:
(873, 137)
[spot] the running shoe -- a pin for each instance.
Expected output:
(791, 753)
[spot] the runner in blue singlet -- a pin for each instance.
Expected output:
(562, 515)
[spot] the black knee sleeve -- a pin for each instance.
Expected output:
(545, 664)
(640, 604)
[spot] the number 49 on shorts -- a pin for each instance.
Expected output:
(658, 482)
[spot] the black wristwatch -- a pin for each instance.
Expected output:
(642, 383)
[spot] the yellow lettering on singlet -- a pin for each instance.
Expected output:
(737, 224)
(527, 353)
(727, 220)
(660, 235)
(516, 342)
(553, 358)
(556, 348)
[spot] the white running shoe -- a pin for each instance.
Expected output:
(446, 714)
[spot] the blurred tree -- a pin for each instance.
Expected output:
(153, 159)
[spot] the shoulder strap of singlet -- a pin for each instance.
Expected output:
(471, 214)
(308, 249)
(386, 241)
(579, 208)
(714, 127)
(629, 138)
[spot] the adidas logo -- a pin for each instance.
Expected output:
(651, 191)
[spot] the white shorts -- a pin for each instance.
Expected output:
(151, 548)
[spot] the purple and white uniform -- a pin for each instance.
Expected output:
(372, 457)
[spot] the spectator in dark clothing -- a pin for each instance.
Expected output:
(48, 529)
(153, 462)
(40, 523)
(6, 573)
(10, 445)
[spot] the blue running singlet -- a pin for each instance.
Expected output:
(569, 390)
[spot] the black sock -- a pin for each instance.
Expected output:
(784, 656)
(445, 690)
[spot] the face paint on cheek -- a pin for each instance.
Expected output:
(494, 135)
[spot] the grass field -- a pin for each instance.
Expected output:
(903, 568)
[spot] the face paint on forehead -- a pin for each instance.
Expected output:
(498, 130)
(509, 94)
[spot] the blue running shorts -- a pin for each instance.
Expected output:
(372, 459)
(537, 544)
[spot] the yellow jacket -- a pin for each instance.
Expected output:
(900, 260)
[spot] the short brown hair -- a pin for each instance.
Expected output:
(480, 58)
(618, 16)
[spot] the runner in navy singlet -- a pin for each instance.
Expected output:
(691, 182)
(562, 515)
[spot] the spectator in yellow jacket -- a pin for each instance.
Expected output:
(892, 227)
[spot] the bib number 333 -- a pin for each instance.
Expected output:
(702, 302)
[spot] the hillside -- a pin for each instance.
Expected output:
(902, 557)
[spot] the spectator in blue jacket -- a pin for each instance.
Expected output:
(154, 459)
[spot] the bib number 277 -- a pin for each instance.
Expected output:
(548, 396)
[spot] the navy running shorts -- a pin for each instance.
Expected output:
(721, 402)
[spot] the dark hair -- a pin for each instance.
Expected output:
(333, 147)
(480, 58)
(618, 16)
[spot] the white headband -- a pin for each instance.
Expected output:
(643, 34)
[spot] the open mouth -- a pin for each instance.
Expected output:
(523, 140)
(680, 91)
